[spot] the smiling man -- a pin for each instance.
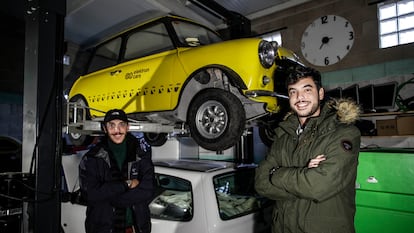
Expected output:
(310, 170)
(117, 198)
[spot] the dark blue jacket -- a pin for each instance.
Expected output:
(106, 192)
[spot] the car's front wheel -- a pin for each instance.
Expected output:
(216, 119)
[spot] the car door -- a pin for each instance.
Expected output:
(179, 202)
(143, 82)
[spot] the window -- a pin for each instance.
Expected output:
(105, 55)
(273, 36)
(236, 195)
(193, 35)
(174, 200)
(396, 23)
(148, 41)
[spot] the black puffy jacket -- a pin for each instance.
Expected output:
(106, 192)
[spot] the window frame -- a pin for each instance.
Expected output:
(398, 33)
(224, 196)
(160, 190)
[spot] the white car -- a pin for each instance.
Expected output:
(196, 195)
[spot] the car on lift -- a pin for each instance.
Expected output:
(210, 196)
(174, 71)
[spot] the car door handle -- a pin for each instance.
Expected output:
(115, 72)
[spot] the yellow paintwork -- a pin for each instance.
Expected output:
(154, 83)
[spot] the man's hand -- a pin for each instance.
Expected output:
(316, 161)
(132, 183)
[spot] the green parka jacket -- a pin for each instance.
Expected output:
(313, 200)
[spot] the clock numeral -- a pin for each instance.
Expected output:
(303, 45)
(326, 61)
(351, 35)
(324, 19)
(339, 58)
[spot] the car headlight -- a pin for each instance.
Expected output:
(267, 54)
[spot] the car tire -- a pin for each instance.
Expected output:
(156, 139)
(216, 119)
(266, 134)
(78, 139)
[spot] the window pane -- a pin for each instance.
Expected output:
(174, 200)
(389, 40)
(106, 55)
(276, 36)
(407, 37)
(388, 26)
(387, 11)
(148, 41)
(194, 35)
(405, 22)
(405, 7)
(236, 195)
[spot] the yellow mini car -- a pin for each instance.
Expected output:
(174, 71)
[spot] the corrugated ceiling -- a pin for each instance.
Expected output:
(91, 20)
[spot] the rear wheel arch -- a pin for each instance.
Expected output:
(202, 79)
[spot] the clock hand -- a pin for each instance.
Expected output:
(325, 40)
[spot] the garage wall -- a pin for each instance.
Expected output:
(365, 60)
(11, 115)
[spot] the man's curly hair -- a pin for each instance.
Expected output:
(300, 72)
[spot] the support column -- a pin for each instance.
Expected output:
(42, 111)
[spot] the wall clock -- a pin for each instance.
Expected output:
(327, 40)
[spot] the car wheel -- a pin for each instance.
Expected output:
(266, 134)
(78, 139)
(156, 139)
(216, 119)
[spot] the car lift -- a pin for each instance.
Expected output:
(77, 122)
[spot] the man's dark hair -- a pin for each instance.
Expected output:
(301, 72)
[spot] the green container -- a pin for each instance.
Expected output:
(385, 191)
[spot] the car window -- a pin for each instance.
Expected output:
(194, 35)
(236, 195)
(173, 199)
(106, 55)
(148, 41)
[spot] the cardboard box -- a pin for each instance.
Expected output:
(405, 125)
(386, 127)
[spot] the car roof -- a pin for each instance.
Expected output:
(195, 165)
(164, 18)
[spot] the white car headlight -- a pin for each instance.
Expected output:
(267, 54)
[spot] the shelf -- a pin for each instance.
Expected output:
(386, 114)
(397, 141)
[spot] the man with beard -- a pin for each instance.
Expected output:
(310, 170)
(117, 196)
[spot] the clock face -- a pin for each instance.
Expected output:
(327, 40)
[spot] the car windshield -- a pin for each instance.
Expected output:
(173, 199)
(193, 35)
(236, 195)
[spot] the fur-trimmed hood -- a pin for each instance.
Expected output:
(348, 111)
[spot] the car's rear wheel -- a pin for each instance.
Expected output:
(78, 139)
(216, 119)
(266, 134)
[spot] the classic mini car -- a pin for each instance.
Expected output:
(196, 195)
(173, 71)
